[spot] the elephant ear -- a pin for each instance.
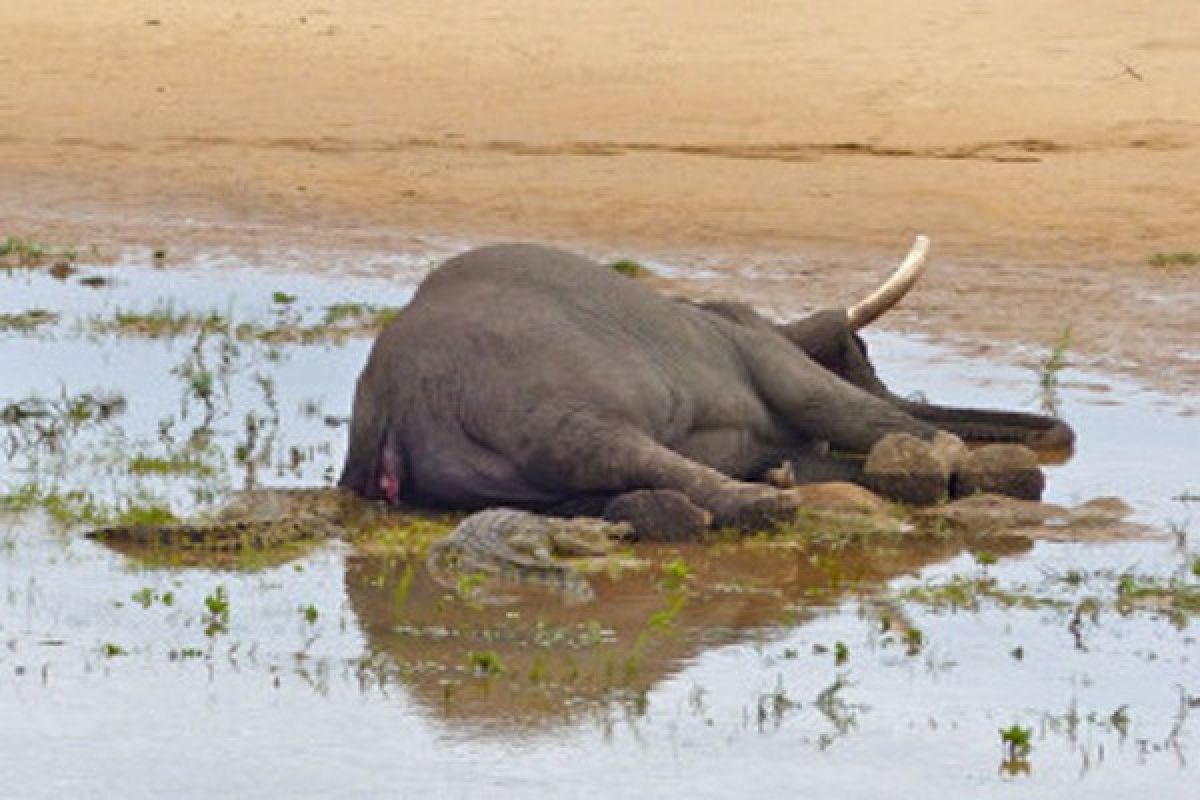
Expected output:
(828, 339)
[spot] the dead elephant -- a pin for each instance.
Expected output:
(522, 375)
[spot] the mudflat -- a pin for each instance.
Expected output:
(1050, 150)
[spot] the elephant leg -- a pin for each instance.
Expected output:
(580, 454)
(907, 459)
(659, 515)
(817, 403)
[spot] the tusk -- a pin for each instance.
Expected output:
(879, 301)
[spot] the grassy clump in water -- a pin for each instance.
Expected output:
(173, 464)
(22, 499)
(162, 322)
(485, 663)
(961, 593)
(1056, 360)
(22, 251)
(408, 535)
(27, 321)
(1018, 744)
(67, 508)
(1174, 597)
(361, 314)
(74, 507)
(338, 322)
(148, 513)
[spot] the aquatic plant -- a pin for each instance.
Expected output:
(27, 321)
(485, 663)
(216, 613)
(1049, 369)
(1017, 741)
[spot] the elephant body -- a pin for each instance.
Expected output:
(523, 375)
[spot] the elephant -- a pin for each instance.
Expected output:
(526, 376)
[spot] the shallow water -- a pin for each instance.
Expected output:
(731, 682)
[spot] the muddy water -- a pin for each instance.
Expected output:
(885, 669)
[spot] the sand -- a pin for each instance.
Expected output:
(1050, 149)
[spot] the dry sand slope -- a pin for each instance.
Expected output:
(1042, 133)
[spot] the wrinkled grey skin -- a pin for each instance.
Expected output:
(523, 375)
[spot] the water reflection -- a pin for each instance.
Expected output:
(542, 660)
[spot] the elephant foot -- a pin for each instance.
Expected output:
(659, 515)
(753, 507)
(1008, 469)
(912, 470)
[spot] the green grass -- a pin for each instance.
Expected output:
(163, 322)
(1056, 360)
(1178, 258)
(174, 464)
(28, 253)
(21, 251)
(960, 593)
(630, 268)
(485, 663)
(1173, 597)
(339, 321)
(675, 574)
(74, 507)
(24, 498)
(360, 314)
(216, 612)
(1017, 741)
(148, 513)
(27, 321)
(67, 508)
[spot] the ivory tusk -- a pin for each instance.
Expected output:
(879, 301)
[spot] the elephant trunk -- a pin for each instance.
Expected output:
(978, 425)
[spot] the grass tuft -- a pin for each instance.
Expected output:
(1178, 258)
